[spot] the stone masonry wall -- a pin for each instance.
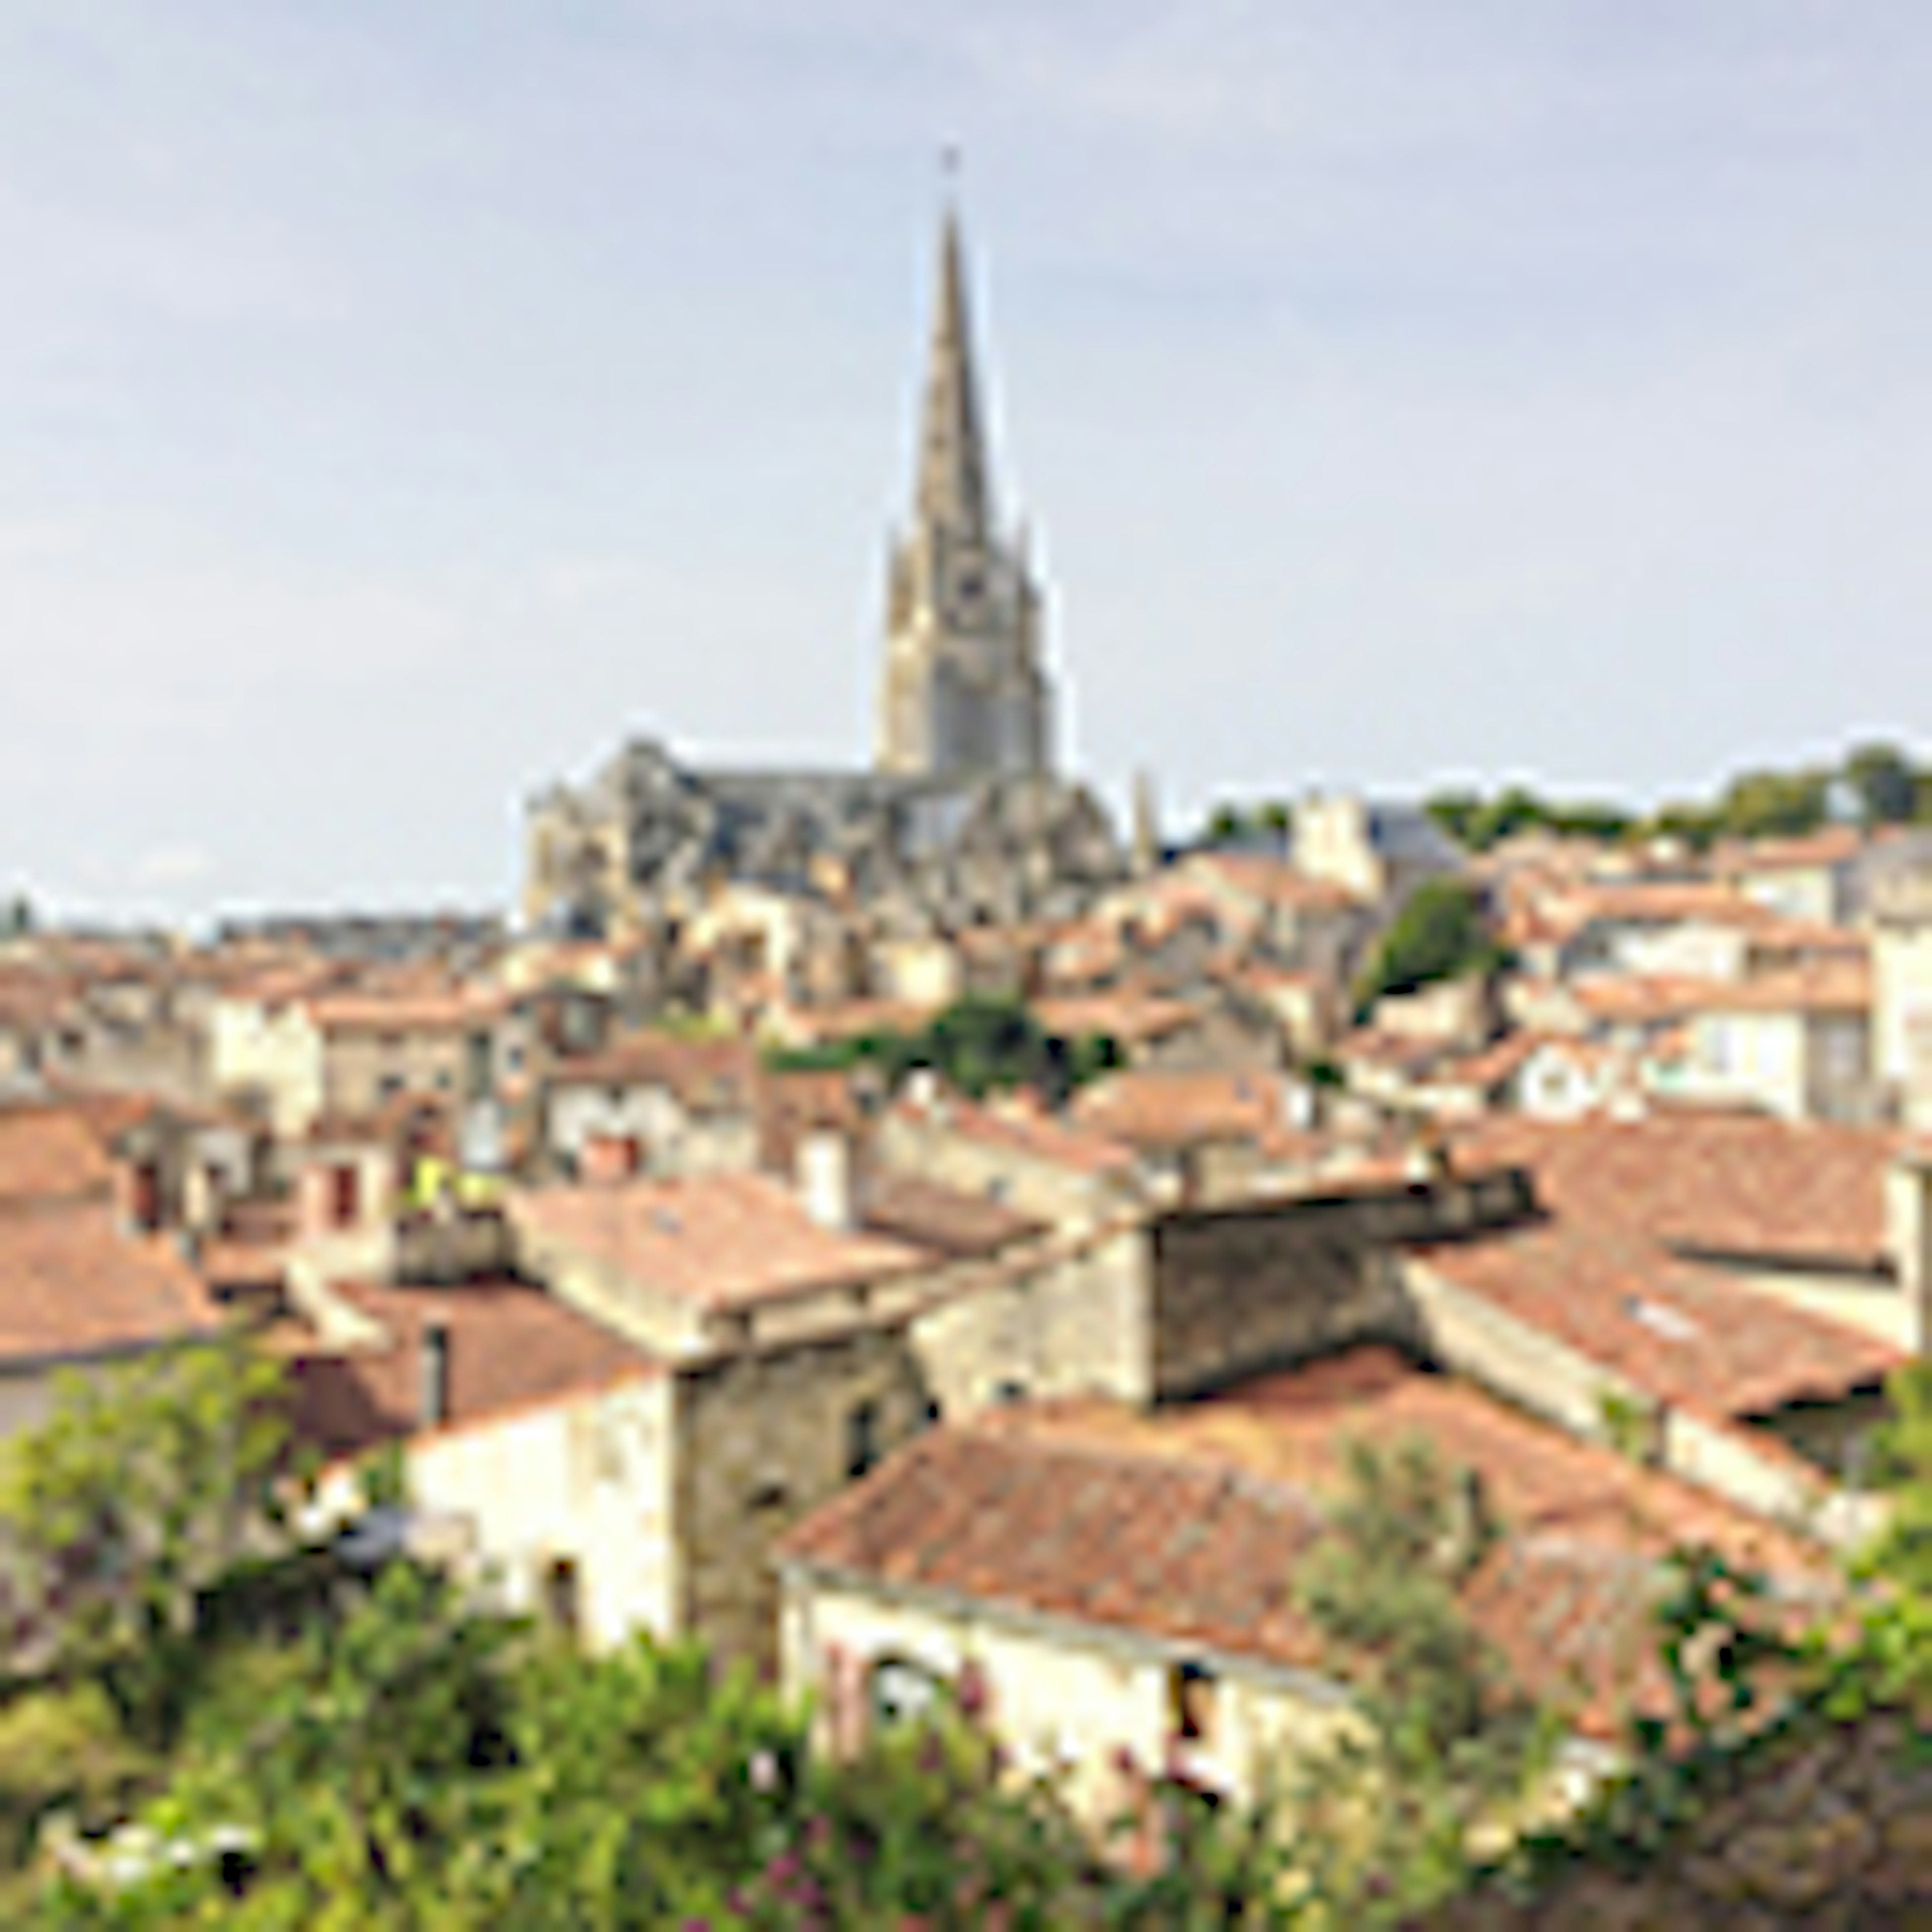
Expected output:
(1830, 1829)
(1235, 1290)
(761, 1439)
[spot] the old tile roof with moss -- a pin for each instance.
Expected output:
(1185, 1524)
(1636, 1214)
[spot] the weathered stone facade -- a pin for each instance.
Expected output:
(762, 1437)
(1238, 1290)
(1829, 1828)
(649, 836)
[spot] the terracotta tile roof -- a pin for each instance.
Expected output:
(445, 1010)
(1148, 1108)
(1726, 1183)
(1830, 845)
(1129, 1017)
(711, 1076)
(51, 1152)
(790, 1105)
(1647, 902)
(848, 1019)
(1185, 1525)
(1690, 1335)
(1271, 881)
(1832, 986)
(924, 1214)
(71, 1285)
(1492, 1066)
(1023, 1130)
(717, 1241)
(1295, 1425)
(1640, 999)
(1378, 1046)
(510, 1346)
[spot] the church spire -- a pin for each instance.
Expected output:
(953, 489)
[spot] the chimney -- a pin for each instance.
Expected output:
(826, 1181)
(1908, 1204)
(433, 1374)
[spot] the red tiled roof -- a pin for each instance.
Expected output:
(1023, 1130)
(1272, 881)
(792, 1104)
(1688, 1334)
(1128, 1017)
(1187, 1524)
(49, 1153)
(924, 1214)
(71, 1285)
(1831, 986)
(717, 1241)
(1726, 1183)
(1830, 845)
(510, 1345)
(709, 1075)
(1148, 1108)
(443, 1010)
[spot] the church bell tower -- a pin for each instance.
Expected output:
(964, 693)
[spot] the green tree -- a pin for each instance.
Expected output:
(146, 1482)
(1758, 805)
(1882, 779)
(1448, 1741)
(1455, 812)
(1441, 931)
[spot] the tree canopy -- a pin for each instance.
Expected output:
(978, 1044)
(1441, 931)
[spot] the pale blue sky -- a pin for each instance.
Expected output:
(397, 403)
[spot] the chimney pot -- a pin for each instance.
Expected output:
(825, 1183)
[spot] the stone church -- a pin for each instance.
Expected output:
(963, 820)
(965, 694)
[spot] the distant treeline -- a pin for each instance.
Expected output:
(1873, 784)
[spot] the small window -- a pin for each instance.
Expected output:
(901, 1692)
(345, 1194)
(1006, 1392)
(1190, 1701)
(861, 1439)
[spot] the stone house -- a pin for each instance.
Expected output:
(652, 1103)
(1010, 1151)
(1734, 1288)
(1815, 877)
(1117, 1585)
(536, 1445)
(780, 1316)
(1797, 1044)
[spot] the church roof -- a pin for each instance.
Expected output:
(952, 485)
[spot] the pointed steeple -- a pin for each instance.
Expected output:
(953, 489)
